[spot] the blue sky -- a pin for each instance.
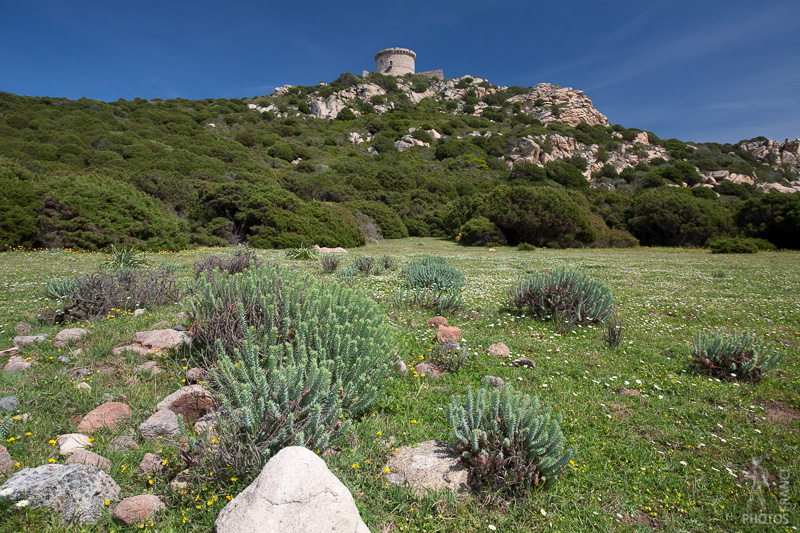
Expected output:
(698, 70)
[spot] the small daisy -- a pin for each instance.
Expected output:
(22, 503)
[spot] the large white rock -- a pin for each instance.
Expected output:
(294, 492)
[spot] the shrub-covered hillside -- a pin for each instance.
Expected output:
(364, 158)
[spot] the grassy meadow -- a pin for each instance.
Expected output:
(675, 458)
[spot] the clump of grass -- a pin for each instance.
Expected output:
(302, 253)
(718, 273)
(525, 247)
(124, 258)
(612, 331)
(733, 356)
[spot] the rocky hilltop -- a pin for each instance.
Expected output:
(547, 104)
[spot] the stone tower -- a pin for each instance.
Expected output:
(395, 61)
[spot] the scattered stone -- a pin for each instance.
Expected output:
(137, 312)
(294, 492)
(107, 398)
(17, 364)
(161, 425)
(495, 382)
(151, 464)
(428, 465)
(207, 423)
(150, 366)
(523, 362)
(400, 367)
(158, 340)
(10, 351)
(499, 350)
(26, 340)
(107, 415)
(447, 333)
(76, 492)
(628, 392)
(6, 463)
(137, 509)
(122, 443)
(70, 443)
(79, 373)
(163, 324)
(191, 402)
(197, 375)
(22, 329)
(64, 359)
(181, 316)
(85, 457)
(181, 481)
(437, 321)
(9, 403)
(64, 337)
(84, 386)
(141, 350)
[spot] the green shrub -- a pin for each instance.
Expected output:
(387, 262)
(431, 282)
(388, 221)
(539, 215)
(525, 247)
(480, 231)
(673, 217)
(287, 312)
(718, 273)
(734, 357)
(348, 273)
(571, 297)
(507, 439)
(738, 245)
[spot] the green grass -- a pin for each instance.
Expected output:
(671, 459)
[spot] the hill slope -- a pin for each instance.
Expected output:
(337, 163)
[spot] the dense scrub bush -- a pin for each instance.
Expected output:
(733, 356)
(101, 294)
(571, 297)
(270, 217)
(432, 283)
(564, 173)
(480, 231)
(738, 245)
(388, 221)
(540, 216)
(508, 440)
(672, 217)
(774, 217)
